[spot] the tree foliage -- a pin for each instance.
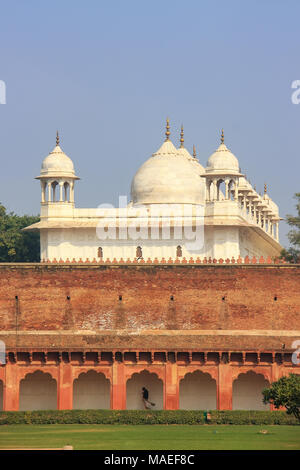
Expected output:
(293, 253)
(285, 392)
(15, 244)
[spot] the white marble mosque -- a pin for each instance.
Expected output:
(173, 199)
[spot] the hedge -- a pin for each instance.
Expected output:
(145, 417)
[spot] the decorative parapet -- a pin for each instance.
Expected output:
(155, 261)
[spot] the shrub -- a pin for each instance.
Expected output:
(194, 417)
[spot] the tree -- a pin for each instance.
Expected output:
(16, 245)
(285, 392)
(293, 253)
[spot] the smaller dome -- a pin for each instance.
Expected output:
(223, 160)
(57, 163)
(183, 152)
(271, 204)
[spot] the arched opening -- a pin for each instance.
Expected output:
(66, 192)
(91, 390)
(221, 191)
(134, 387)
(197, 391)
(231, 190)
(100, 252)
(55, 196)
(247, 392)
(38, 391)
(209, 195)
(1, 395)
(178, 252)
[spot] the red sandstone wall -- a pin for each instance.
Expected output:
(198, 292)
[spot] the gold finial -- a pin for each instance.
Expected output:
(222, 136)
(168, 130)
(181, 138)
(57, 138)
(194, 151)
(265, 188)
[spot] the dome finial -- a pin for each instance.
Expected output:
(168, 130)
(57, 138)
(222, 136)
(181, 138)
(194, 151)
(265, 188)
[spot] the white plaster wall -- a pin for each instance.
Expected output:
(252, 244)
(226, 242)
(38, 391)
(246, 392)
(91, 391)
(197, 391)
(134, 391)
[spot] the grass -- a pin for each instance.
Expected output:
(150, 437)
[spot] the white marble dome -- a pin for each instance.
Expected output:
(57, 163)
(169, 176)
(222, 160)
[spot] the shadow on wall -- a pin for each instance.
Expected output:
(197, 391)
(38, 391)
(246, 392)
(91, 391)
(134, 390)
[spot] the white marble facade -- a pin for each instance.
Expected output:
(178, 208)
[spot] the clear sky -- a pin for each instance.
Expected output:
(106, 74)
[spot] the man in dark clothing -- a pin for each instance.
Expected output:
(145, 396)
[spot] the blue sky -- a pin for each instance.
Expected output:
(107, 74)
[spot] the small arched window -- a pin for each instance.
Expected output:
(179, 252)
(139, 253)
(100, 252)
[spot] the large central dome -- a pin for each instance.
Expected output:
(168, 177)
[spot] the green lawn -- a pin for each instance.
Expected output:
(147, 437)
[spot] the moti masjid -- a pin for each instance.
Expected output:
(180, 290)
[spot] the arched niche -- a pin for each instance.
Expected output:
(247, 391)
(197, 391)
(38, 391)
(91, 390)
(134, 390)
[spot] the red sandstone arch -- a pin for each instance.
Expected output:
(197, 390)
(38, 391)
(91, 390)
(246, 391)
(154, 385)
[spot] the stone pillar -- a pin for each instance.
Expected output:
(43, 191)
(61, 191)
(215, 190)
(171, 401)
(49, 192)
(224, 387)
(277, 231)
(226, 189)
(65, 386)
(72, 191)
(208, 198)
(118, 387)
(11, 387)
(236, 189)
